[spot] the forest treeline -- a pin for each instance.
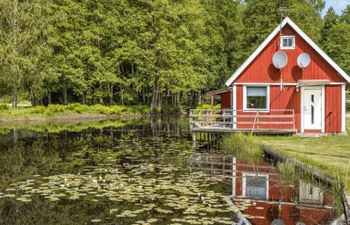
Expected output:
(155, 52)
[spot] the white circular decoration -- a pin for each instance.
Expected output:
(304, 60)
(280, 60)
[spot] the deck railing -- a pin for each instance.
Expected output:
(276, 119)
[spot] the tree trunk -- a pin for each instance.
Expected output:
(14, 97)
(83, 99)
(111, 95)
(14, 88)
(64, 92)
(156, 104)
(49, 100)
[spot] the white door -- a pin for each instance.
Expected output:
(312, 108)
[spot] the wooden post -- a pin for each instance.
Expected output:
(194, 140)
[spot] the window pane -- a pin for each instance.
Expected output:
(256, 91)
(256, 186)
(256, 97)
(290, 42)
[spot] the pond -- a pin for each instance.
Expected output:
(143, 172)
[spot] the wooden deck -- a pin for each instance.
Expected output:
(278, 122)
(209, 129)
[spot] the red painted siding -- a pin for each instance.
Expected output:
(261, 69)
(225, 100)
(289, 98)
(333, 109)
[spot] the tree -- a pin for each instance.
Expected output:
(22, 44)
(261, 17)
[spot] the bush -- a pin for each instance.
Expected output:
(170, 109)
(208, 106)
(53, 109)
(38, 109)
(4, 107)
(142, 109)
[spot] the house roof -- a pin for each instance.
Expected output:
(286, 21)
(217, 92)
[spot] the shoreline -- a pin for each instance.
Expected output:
(69, 118)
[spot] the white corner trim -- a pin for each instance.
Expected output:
(287, 20)
(244, 183)
(302, 110)
(323, 130)
(343, 113)
(234, 175)
(245, 109)
(234, 105)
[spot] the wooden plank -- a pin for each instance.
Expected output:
(230, 130)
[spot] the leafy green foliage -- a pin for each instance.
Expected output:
(158, 53)
(70, 110)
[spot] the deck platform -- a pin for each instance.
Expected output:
(274, 122)
(209, 129)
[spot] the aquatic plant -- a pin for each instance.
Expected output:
(154, 192)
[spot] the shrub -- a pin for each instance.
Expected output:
(53, 109)
(4, 107)
(208, 106)
(73, 106)
(142, 109)
(38, 109)
(170, 109)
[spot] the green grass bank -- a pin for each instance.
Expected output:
(331, 153)
(69, 112)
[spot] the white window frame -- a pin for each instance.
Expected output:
(266, 109)
(287, 36)
(250, 174)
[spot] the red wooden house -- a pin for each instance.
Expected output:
(300, 98)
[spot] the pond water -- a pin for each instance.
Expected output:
(143, 172)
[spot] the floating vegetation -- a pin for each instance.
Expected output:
(154, 192)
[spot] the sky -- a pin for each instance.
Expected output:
(338, 5)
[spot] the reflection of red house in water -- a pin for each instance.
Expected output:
(268, 200)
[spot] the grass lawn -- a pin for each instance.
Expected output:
(331, 153)
(66, 111)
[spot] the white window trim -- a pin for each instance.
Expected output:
(234, 105)
(287, 36)
(267, 109)
(343, 110)
(250, 174)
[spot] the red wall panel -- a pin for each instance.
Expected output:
(333, 109)
(289, 98)
(261, 69)
(225, 100)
